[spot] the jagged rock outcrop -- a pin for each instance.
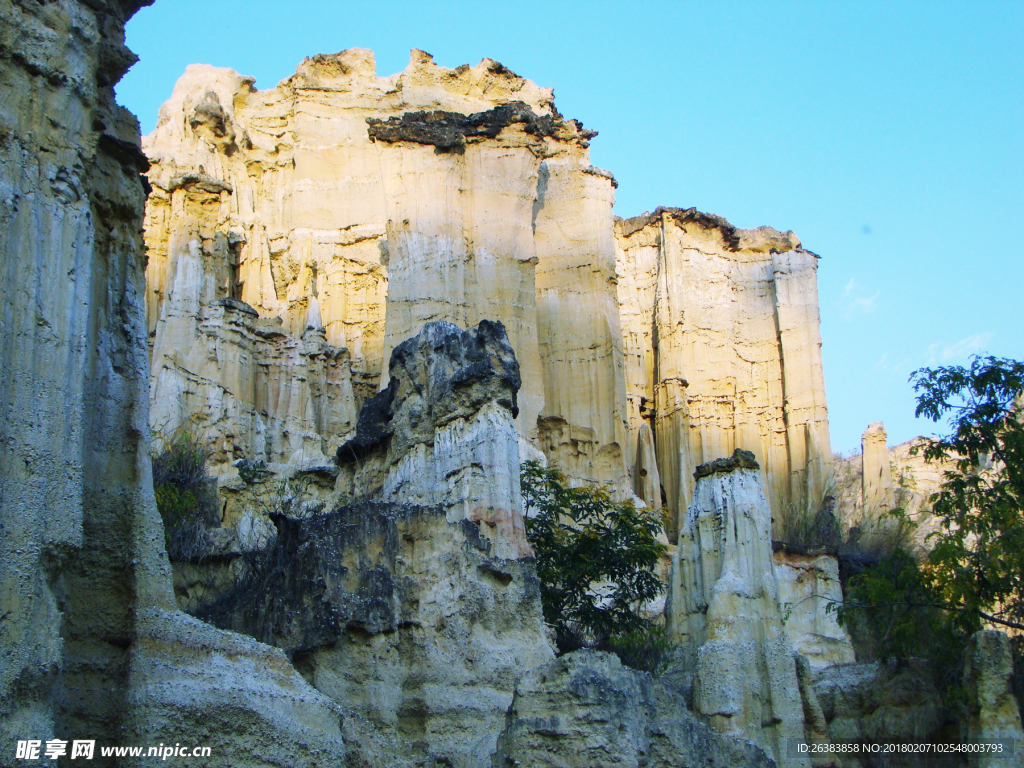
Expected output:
(723, 350)
(443, 432)
(723, 609)
(415, 620)
(585, 710)
(808, 585)
(242, 387)
(898, 703)
(91, 646)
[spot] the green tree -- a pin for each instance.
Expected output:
(595, 559)
(974, 571)
(977, 562)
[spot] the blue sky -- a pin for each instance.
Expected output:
(888, 135)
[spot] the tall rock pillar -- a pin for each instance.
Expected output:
(723, 608)
(459, 193)
(876, 483)
(578, 314)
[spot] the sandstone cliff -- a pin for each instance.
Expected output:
(723, 350)
(372, 205)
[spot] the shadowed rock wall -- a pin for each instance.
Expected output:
(91, 646)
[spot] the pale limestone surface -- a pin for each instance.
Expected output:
(646, 479)
(583, 423)
(808, 585)
(85, 587)
(722, 343)
(723, 609)
(292, 199)
(244, 388)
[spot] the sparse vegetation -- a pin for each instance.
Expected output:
(810, 528)
(595, 560)
(179, 483)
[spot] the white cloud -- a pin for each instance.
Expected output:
(865, 304)
(937, 353)
(856, 302)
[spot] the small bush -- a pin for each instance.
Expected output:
(808, 528)
(891, 606)
(179, 480)
(880, 536)
(647, 649)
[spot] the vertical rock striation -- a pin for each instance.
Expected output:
(724, 610)
(90, 644)
(722, 344)
(456, 194)
(583, 423)
(73, 370)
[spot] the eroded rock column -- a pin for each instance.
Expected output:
(876, 483)
(583, 423)
(723, 608)
(442, 433)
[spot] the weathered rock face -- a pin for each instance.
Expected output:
(585, 710)
(457, 194)
(408, 622)
(724, 610)
(91, 645)
(442, 432)
(722, 348)
(808, 584)
(885, 704)
(415, 620)
(244, 388)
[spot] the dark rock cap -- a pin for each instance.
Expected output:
(449, 131)
(440, 374)
(740, 459)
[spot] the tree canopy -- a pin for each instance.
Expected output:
(595, 557)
